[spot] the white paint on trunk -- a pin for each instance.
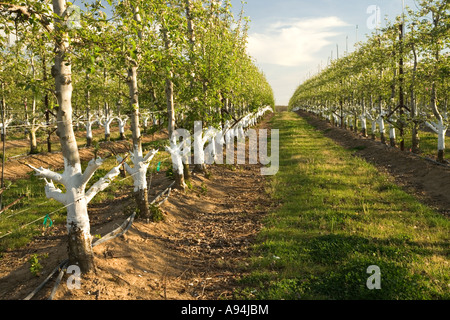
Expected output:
(107, 128)
(210, 152)
(140, 167)
(76, 198)
(5, 125)
(441, 130)
(122, 123)
(374, 127)
(176, 151)
(441, 138)
(363, 122)
(88, 126)
(392, 134)
(103, 183)
(381, 124)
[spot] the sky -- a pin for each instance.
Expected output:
(292, 40)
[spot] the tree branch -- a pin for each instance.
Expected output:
(93, 165)
(48, 174)
(103, 183)
(432, 126)
(26, 13)
(149, 157)
(54, 193)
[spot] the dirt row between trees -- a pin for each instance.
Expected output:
(198, 252)
(427, 180)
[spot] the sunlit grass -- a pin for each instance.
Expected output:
(340, 215)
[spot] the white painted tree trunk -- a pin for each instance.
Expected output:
(75, 198)
(140, 167)
(3, 127)
(363, 125)
(177, 152)
(106, 123)
(122, 123)
(441, 130)
(374, 128)
(140, 163)
(382, 128)
(392, 135)
(88, 126)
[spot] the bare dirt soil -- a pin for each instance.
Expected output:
(425, 179)
(198, 252)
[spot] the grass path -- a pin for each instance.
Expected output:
(338, 216)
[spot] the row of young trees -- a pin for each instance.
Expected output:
(399, 78)
(185, 58)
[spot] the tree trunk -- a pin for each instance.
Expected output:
(49, 131)
(364, 119)
(364, 127)
(33, 141)
(107, 129)
(180, 183)
(80, 245)
(415, 148)
(382, 130)
(46, 103)
(88, 125)
(140, 192)
(392, 136)
(141, 197)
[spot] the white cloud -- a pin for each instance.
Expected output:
(294, 42)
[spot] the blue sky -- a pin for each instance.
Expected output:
(290, 39)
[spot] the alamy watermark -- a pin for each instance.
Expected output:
(74, 280)
(374, 20)
(374, 281)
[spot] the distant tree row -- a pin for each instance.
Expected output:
(400, 78)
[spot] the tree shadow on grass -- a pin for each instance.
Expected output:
(340, 268)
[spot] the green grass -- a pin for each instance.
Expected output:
(32, 207)
(339, 216)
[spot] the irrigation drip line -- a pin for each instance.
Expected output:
(60, 266)
(36, 220)
(168, 191)
(122, 229)
(58, 279)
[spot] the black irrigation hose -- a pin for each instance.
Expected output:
(117, 232)
(113, 234)
(58, 281)
(60, 266)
